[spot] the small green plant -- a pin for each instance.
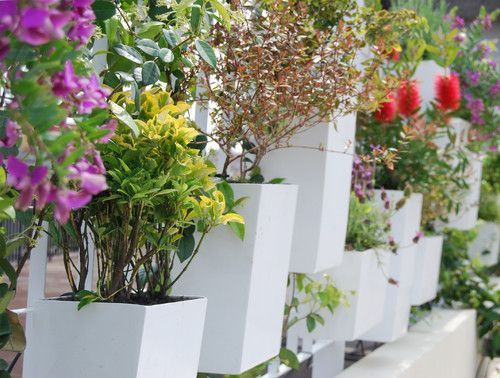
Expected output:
(367, 226)
(489, 205)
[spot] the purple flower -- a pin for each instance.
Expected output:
(66, 200)
(495, 88)
(474, 77)
(12, 132)
(417, 237)
(460, 37)
(93, 183)
(458, 23)
(65, 82)
(38, 25)
(83, 16)
(476, 107)
(487, 22)
(8, 13)
(111, 125)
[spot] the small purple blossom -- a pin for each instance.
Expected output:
(83, 16)
(474, 77)
(495, 88)
(417, 237)
(460, 37)
(476, 107)
(458, 23)
(487, 22)
(12, 132)
(8, 14)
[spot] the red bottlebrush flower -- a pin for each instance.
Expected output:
(386, 112)
(394, 55)
(408, 98)
(447, 92)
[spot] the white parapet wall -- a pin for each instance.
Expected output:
(442, 345)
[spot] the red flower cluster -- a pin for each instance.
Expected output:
(408, 98)
(447, 92)
(386, 113)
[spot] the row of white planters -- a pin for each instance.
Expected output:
(244, 282)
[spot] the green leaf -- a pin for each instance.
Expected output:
(186, 247)
(150, 73)
(9, 270)
(227, 192)
(171, 37)
(128, 53)
(103, 9)
(289, 358)
(277, 180)
(17, 340)
(86, 297)
(238, 229)
(196, 16)
(223, 13)
(206, 52)
(123, 116)
(5, 297)
(166, 55)
(311, 323)
(148, 46)
(150, 29)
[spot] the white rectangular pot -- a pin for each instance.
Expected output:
(362, 274)
(245, 281)
(427, 265)
(425, 75)
(486, 245)
(405, 224)
(324, 180)
(109, 340)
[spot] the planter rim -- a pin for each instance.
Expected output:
(285, 185)
(438, 236)
(367, 250)
(125, 305)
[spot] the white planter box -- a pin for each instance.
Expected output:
(486, 245)
(425, 283)
(405, 225)
(425, 75)
(110, 340)
(466, 217)
(360, 273)
(324, 180)
(245, 281)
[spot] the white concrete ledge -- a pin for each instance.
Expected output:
(440, 346)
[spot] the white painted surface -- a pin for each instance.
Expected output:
(324, 180)
(245, 282)
(442, 346)
(359, 273)
(486, 246)
(428, 262)
(328, 361)
(425, 75)
(405, 224)
(109, 340)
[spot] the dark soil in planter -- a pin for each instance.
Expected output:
(142, 299)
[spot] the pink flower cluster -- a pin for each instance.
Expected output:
(41, 21)
(82, 92)
(34, 183)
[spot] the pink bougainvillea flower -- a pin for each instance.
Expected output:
(386, 112)
(39, 25)
(66, 200)
(83, 18)
(111, 125)
(408, 98)
(12, 132)
(65, 82)
(8, 14)
(447, 92)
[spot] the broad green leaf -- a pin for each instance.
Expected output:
(186, 247)
(150, 73)
(17, 339)
(166, 55)
(103, 9)
(148, 46)
(150, 29)
(123, 116)
(196, 16)
(128, 53)
(206, 52)
(238, 229)
(311, 323)
(277, 180)
(171, 37)
(223, 13)
(227, 191)
(289, 358)
(9, 270)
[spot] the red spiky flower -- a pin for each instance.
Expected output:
(394, 55)
(447, 92)
(408, 98)
(386, 112)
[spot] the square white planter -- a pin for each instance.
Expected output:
(324, 180)
(428, 263)
(425, 75)
(110, 340)
(245, 281)
(486, 245)
(363, 274)
(405, 225)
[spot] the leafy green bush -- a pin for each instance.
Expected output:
(366, 226)
(489, 207)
